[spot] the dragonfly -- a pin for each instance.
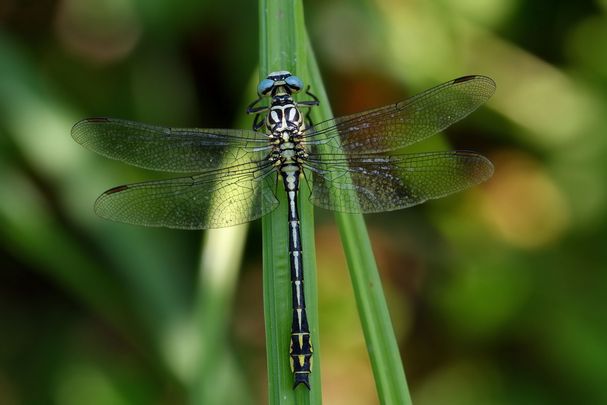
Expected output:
(353, 164)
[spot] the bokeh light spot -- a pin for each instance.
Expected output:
(523, 204)
(101, 32)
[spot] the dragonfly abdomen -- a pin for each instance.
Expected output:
(301, 343)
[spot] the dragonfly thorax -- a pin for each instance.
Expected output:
(285, 125)
(284, 118)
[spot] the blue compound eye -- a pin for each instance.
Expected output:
(265, 86)
(294, 83)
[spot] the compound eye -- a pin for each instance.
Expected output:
(264, 87)
(294, 83)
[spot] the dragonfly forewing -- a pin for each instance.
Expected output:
(399, 125)
(179, 150)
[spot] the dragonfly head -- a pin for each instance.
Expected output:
(281, 82)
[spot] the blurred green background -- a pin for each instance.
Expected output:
(498, 295)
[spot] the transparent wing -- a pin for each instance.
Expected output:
(180, 150)
(396, 126)
(225, 197)
(375, 183)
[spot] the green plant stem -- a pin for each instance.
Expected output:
(282, 47)
(382, 346)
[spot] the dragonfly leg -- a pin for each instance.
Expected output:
(252, 109)
(314, 98)
(257, 123)
(309, 103)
